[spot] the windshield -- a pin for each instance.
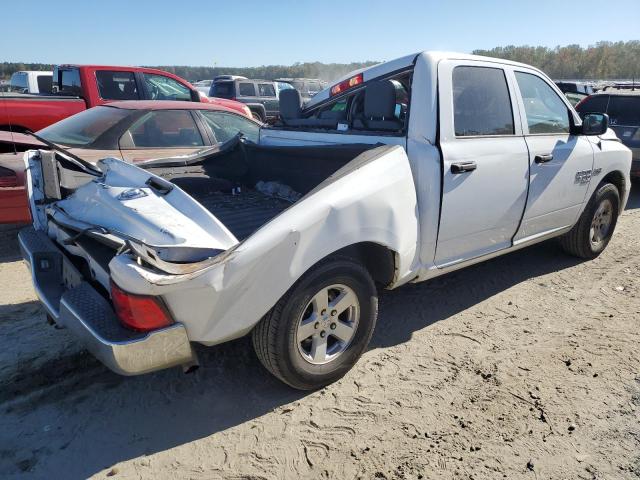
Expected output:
(84, 127)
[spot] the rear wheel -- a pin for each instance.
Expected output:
(591, 235)
(320, 327)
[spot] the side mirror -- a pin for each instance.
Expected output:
(595, 123)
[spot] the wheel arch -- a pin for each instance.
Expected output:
(379, 260)
(617, 178)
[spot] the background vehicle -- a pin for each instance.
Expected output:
(76, 88)
(133, 131)
(203, 86)
(575, 91)
(259, 95)
(307, 87)
(30, 82)
(623, 108)
(489, 157)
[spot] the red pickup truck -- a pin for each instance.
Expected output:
(78, 87)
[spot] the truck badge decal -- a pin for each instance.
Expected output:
(583, 177)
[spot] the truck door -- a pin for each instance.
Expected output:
(485, 161)
(561, 163)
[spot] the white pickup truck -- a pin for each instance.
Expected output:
(399, 173)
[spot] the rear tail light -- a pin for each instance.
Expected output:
(8, 178)
(139, 312)
(347, 84)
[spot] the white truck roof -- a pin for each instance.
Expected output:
(391, 66)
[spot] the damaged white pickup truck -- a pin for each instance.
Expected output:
(398, 173)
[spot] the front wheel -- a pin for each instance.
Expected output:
(319, 329)
(591, 235)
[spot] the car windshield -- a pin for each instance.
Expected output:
(85, 127)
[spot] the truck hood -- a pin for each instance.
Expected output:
(155, 218)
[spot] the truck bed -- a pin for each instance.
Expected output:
(242, 213)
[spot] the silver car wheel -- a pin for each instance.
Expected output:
(601, 223)
(328, 324)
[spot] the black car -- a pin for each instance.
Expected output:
(259, 95)
(623, 108)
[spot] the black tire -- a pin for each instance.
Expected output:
(257, 116)
(577, 241)
(274, 338)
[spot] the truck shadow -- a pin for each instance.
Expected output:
(634, 197)
(78, 418)
(133, 417)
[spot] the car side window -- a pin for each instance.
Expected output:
(165, 88)
(165, 128)
(225, 126)
(481, 102)
(545, 110)
(246, 89)
(117, 85)
(266, 90)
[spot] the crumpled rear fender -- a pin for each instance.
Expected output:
(372, 199)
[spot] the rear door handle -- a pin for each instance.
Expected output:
(543, 158)
(463, 167)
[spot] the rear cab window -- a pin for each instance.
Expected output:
(66, 81)
(481, 102)
(117, 85)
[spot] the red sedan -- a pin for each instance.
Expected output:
(133, 131)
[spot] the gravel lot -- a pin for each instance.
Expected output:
(526, 366)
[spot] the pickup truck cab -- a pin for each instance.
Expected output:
(424, 165)
(78, 87)
(29, 81)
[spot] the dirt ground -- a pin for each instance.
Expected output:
(526, 366)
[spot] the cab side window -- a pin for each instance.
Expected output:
(117, 85)
(165, 88)
(266, 90)
(481, 102)
(165, 128)
(247, 90)
(546, 112)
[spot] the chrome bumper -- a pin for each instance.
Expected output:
(79, 307)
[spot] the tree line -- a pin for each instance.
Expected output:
(324, 71)
(604, 60)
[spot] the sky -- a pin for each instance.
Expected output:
(239, 33)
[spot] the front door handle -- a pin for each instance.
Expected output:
(463, 167)
(543, 158)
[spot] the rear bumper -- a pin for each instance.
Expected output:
(79, 307)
